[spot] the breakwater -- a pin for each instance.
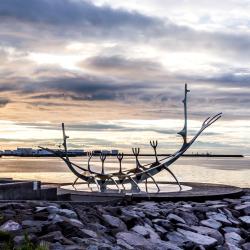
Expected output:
(213, 224)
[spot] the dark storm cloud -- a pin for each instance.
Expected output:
(229, 79)
(58, 96)
(91, 88)
(55, 83)
(93, 126)
(7, 87)
(61, 21)
(85, 84)
(121, 63)
(4, 102)
(51, 104)
(229, 76)
(56, 90)
(54, 87)
(76, 87)
(69, 13)
(67, 96)
(228, 44)
(50, 96)
(157, 85)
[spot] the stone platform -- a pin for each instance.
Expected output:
(25, 190)
(169, 192)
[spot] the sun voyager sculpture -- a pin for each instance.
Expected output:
(140, 173)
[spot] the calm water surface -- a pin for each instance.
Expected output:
(233, 171)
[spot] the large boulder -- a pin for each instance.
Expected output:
(228, 246)
(114, 222)
(176, 238)
(242, 206)
(56, 236)
(10, 226)
(231, 229)
(52, 209)
(147, 232)
(133, 240)
(188, 217)
(209, 232)
(71, 227)
(222, 218)
(233, 238)
(245, 220)
(159, 229)
(163, 223)
(175, 218)
(68, 213)
(89, 233)
(246, 246)
(198, 239)
(165, 245)
(211, 223)
(33, 226)
(98, 228)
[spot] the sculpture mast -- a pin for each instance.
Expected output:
(183, 132)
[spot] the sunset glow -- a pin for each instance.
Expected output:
(114, 72)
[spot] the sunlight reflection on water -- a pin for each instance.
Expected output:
(231, 171)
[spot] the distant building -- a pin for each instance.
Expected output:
(42, 152)
(38, 152)
(15, 152)
(97, 152)
(76, 151)
(114, 151)
(23, 151)
(106, 152)
(8, 152)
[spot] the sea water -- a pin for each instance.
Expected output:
(231, 171)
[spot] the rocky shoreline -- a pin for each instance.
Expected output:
(213, 224)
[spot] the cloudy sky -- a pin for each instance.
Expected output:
(114, 72)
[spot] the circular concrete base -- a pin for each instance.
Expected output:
(169, 191)
(164, 188)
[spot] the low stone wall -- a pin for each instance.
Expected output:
(25, 190)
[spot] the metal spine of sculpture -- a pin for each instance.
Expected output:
(183, 132)
(139, 173)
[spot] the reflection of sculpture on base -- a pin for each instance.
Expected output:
(140, 173)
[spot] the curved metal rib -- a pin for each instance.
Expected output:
(174, 178)
(70, 165)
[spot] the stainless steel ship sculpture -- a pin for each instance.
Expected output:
(140, 173)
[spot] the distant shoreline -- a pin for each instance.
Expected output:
(144, 155)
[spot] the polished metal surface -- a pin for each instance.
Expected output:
(140, 173)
